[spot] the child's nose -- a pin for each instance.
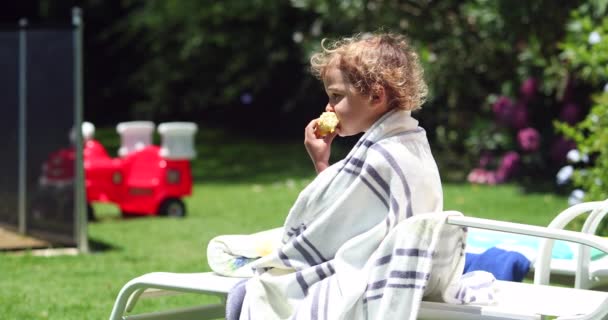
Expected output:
(329, 108)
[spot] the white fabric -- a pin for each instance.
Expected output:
(366, 279)
(344, 253)
(475, 287)
(230, 255)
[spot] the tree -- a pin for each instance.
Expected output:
(230, 61)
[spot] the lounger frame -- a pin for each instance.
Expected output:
(521, 300)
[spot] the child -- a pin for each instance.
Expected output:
(373, 83)
(364, 79)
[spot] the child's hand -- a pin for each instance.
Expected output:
(318, 148)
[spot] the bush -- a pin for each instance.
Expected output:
(591, 139)
(585, 49)
(567, 76)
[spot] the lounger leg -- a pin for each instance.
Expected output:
(132, 290)
(124, 295)
(206, 312)
(598, 314)
(133, 299)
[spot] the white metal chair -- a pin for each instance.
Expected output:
(514, 301)
(571, 261)
(588, 273)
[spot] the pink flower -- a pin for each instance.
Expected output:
(559, 150)
(501, 176)
(475, 175)
(529, 139)
(570, 113)
(509, 164)
(503, 110)
(510, 114)
(528, 88)
(520, 116)
(491, 178)
(482, 176)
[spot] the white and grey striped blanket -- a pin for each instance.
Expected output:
(354, 245)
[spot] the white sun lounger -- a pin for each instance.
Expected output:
(514, 300)
(569, 260)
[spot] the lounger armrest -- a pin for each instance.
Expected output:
(530, 230)
(542, 271)
(542, 275)
(597, 209)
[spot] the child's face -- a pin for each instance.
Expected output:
(355, 111)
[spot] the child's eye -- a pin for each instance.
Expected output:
(335, 96)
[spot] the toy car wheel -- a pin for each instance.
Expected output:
(172, 208)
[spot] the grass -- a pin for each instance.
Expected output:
(243, 186)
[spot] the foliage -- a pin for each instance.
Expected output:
(469, 48)
(514, 135)
(244, 64)
(522, 128)
(592, 140)
(198, 56)
(565, 75)
(586, 44)
(586, 50)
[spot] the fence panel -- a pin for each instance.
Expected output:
(50, 150)
(9, 142)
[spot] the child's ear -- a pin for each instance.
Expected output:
(378, 96)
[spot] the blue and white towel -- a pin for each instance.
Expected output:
(344, 252)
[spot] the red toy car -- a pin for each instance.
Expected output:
(144, 180)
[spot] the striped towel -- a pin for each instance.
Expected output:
(353, 245)
(420, 257)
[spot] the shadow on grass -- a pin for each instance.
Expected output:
(543, 185)
(96, 246)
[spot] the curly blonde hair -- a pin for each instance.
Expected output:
(369, 61)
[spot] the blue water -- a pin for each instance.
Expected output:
(486, 239)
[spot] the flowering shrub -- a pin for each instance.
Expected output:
(586, 50)
(521, 141)
(529, 139)
(506, 168)
(589, 171)
(554, 94)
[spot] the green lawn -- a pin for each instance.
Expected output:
(242, 187)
